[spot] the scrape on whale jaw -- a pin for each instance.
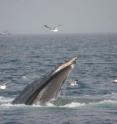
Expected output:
(40, 90)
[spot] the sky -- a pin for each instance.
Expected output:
(75, 16)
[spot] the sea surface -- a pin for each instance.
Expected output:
(25, 58)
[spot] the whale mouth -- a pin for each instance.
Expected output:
(46, 88)
(70, 63)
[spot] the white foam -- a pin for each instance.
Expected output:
(6, 103)
(45, 105)
(108, 102)
(103, 102)
(50, 104)
(74, 104)
(12, 105)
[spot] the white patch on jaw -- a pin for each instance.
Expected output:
(72, 66)
(57, 70)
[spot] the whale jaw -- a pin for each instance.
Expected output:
(46, 88)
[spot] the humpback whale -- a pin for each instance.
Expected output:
(46, 88)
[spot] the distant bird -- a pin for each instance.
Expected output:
(53, 29)
(3, 86)
(114, 81)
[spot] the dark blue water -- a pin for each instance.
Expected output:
(24, 58)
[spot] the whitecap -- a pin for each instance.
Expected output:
(74, 104)
(108, 102)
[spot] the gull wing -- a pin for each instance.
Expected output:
(56, 26)
(47, 27)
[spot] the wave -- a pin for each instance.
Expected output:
(5, 99)
(108, 102)
(104, 104)
(74, 105)
(6, 103)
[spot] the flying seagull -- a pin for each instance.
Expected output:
(114, 81)
(53, 29)
(73, 82)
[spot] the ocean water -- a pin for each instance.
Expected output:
(25, 58)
